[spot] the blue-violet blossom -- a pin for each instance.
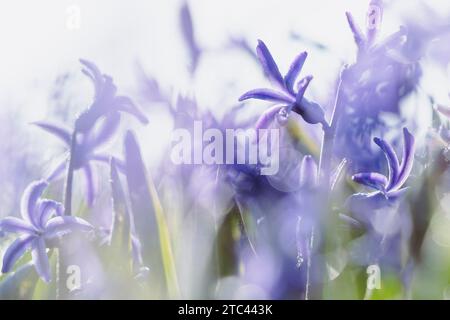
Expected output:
(94, 128)
(289, 93)
(42, 220)
(390, 187)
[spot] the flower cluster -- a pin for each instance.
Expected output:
(365, 187)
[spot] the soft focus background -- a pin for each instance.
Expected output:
(133, 40)
(42, 45)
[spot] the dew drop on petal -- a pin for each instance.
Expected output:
(282, 117)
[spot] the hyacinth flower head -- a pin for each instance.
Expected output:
(93, 128)
(289, 93)
(383, 73)
(42, 221)
(88, 150)
(382, 77)
(391, 186)
(106, 101)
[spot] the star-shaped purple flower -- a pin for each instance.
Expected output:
(42, 220)
(289, 93)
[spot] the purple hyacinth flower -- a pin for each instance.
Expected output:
(88, 150)
(289, 93)
(398, 171)
(106, 102)
(42, 220)
(389, 188)
(94, 128)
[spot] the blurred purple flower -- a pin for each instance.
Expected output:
(289, 93)
(42, 220)
(88, 149)
(94, 128)
(384, 74)
(106, 101)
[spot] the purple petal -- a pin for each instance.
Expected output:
(61, 225)
(94, 74)
(56, 130)
(40, 259)
(407, 160)
(29, 201)
(269, 65)
(392, 161)
(362, 205)
(47, 208)
(350, 221)
(397, 194)
(395, 39)
(187, 29)
(106, 158)
(294, 71)
(359, 37)
(57, 171)
(445, 110)
(267, 117)
(268, 95)
(371, 179)
(125, 104)
(100, 157)
(13, 224)
(15, 251)
(302, 86)
(308, 172)
(90, 184)
(375, 12)
(106, 130)
(310, 111)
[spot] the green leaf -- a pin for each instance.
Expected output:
(121, 231)
(149, 221)
(20, 284)
(229, 233)
(45, 290)
(166, 247)
(391, 288)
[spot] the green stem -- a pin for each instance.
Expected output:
(62, 292)
(317, 243)
(69, 179)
